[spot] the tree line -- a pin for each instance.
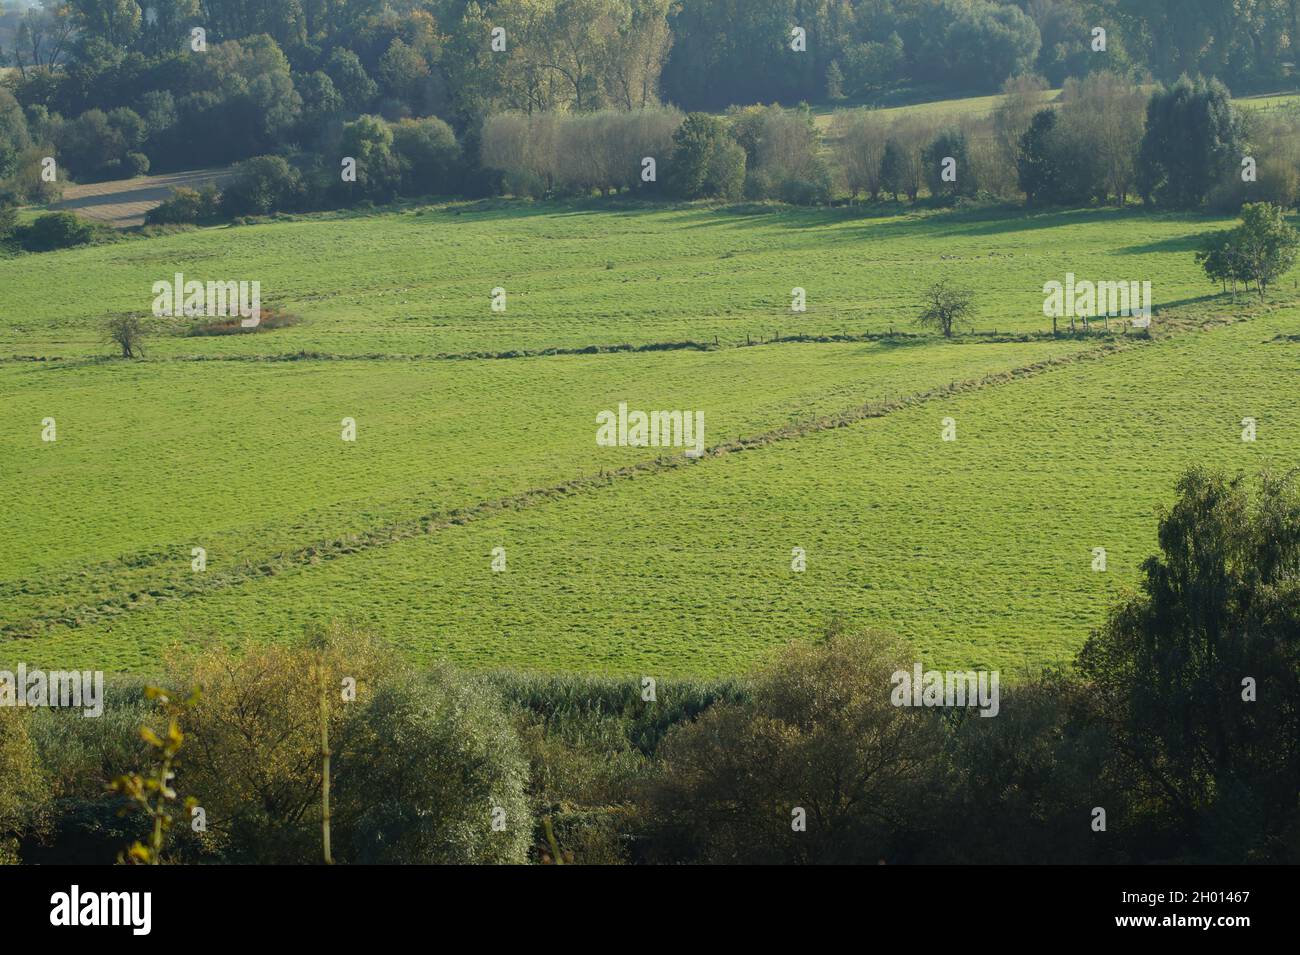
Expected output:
(111, 82)
(702, 54)
(1101, 139)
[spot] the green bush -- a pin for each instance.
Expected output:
(136, 164)
(186, 206)
(419, 762)
(805, 192)
(575, 700)
(429, 155)
(1030, 777)
(261, 185)
(950, 143)
(782, 158)
(820, 734)
(758, 185)
(8, 220)
(77, 756)
(55, 230)
(437, 776)
(706, 162)
(1277, 182)
(369, 140)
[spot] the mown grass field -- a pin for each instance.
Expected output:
(979, 549)
(972, 107)
(978, 107)
(1270, 101)
(419, 282)
(246, 459)
(125, 202)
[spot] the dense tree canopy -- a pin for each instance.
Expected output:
(434, 56)
(1196, 674)
(1192, 137)
(538, 96)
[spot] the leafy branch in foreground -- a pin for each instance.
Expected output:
(153, 793)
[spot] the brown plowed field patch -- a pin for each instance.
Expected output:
(124, 202)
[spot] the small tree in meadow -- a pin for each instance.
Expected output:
(1260, 250)
(1267, 244)
(1218, 257)
(947, 306)
(127, 333)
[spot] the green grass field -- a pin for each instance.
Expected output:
(967, 106)
(419, 282)
(978, 107)
(1270, 101)
(979, 549)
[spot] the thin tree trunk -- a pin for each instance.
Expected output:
(325, 767)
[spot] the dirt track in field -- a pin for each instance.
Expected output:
(124, 202)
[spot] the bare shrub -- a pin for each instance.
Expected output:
(127, 333)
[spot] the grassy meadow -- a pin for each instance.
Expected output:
(618, 559)
(967, 108)
(419, 281)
